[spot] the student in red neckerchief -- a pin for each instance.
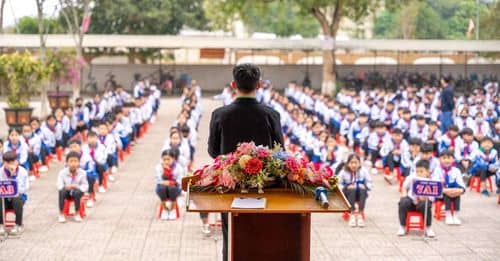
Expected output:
(71, 183)
(168, 179)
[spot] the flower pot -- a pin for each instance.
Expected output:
(16, 118)
(58, 99)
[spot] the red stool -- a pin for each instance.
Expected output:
(128, 150)
(67, 207)
(105, 179)
(439, 213)
(10, 222)
(162, 208)
(414, 224)
(93, 195)
(475, 183)
(59, 153)
(36, 171)
(498, 199)
(121, 156)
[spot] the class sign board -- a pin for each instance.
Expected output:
(427, 188)
(8, 188)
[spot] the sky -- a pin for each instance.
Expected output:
(15, 9)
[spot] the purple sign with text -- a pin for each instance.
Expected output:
(427, 188)
(8, 188)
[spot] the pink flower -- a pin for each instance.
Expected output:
(292, 164)
(262, 152)
(245, 148)
(227, 179)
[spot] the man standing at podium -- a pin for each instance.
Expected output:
(244, 120)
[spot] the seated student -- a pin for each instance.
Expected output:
(376, 140)
(411, 202)
(404, 123)
(52, 133)
(389, 115)
(418, 128)
(175, 141)
(87, 164)
(16, 144)
(128, 130)
(464, 121)
(80, 116)
(334, 155)
(168, 179)
(453, 186)
(466, 150)
(346, 124)
(392, 152)
(449, 139)
(433, 135)
(44, 149)
(65, 124)
(71, 183)
(358, 132)
(485, 163)
(409, 160)
(116, 130)
(34, 146)
(355, 182)
(427, 153)
(186, 141)
(108, 141)
(11, 170)
(481, 127)
(97, 152)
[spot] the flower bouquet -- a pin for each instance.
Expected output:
(252, 166)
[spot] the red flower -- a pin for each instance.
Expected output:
(292, 164)
(253, 166)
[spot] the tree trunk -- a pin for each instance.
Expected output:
(328, 85)
(2, 5)
(41, 33)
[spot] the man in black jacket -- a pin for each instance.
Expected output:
(447, 104)
(244, 120)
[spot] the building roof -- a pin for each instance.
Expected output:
(196, 42)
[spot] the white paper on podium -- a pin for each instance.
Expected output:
(249, 203)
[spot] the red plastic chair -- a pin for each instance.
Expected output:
(68, 204)
(121, 156)
(105, 179)
(9, 223)
(414, 224)
(346, 215)
(36, 171)
(59, 153)
(498, 199)
(161, 208)
(439, 213)
(475, 183)
(93, 195)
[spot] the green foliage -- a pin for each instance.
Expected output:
(22, 75)
(146, 16)
(29, 25)
(490, 22)
(434, 19)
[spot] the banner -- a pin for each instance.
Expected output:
(8, 189)
(427, 188)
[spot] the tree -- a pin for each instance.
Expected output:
(2, 5)
(489, 24)
(74, 12)
(29, 25)
(328, 13)
(385, 25)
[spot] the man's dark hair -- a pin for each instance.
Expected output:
(246, 77)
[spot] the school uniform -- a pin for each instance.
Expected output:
(65, 178)
(34, 148)
(485, 163)
(389, 158)
(358, 134)
(389, 116)
(375, 142)
(404, 126)
(109, 143)
(175, 174)
(16, 203)
(98, 110)
(451, 177)
(412, 203)
(482, 128)
(357, 194)
(99, 157)
(419, 132)
(21, 150)
(334, 158)
(80, 114)
(463, 123)
(447, 142)
(51, 136)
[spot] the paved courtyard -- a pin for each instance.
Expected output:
(123, 224)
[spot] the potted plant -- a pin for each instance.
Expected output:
(21, 75)
(63, 64)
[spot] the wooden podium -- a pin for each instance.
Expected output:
(280, 231)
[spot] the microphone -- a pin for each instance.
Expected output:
(321, 194)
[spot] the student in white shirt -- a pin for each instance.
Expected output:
(466, 150)
(71, 183)
(453, 186)
(12, 171)
(481, 127)
(392, 152)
